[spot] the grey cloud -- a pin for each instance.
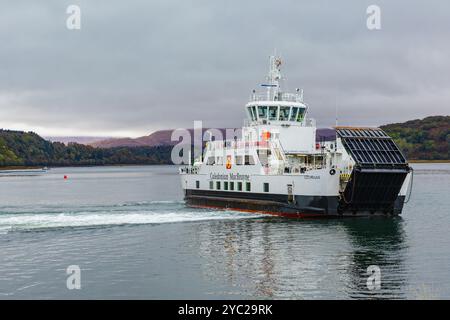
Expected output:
(137, 66)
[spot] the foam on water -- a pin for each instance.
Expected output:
(145, 212)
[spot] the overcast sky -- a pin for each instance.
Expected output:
(138, 66)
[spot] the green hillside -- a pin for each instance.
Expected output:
(425, 139)
(19, 148)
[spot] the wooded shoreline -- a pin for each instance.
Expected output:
(421, 141)
(151, 164)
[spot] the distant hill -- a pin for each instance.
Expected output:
(425, 139)
(158, 138)
(162, 138)
(75, 139)
(19, 148)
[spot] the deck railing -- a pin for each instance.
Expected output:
(282, 96)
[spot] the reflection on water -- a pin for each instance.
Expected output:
(379, 242)
(277, 258)
(133, 237)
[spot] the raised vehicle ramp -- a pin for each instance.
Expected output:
(378, 175)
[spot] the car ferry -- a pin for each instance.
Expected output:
(278, 166)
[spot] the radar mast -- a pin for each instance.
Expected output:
(274, 77)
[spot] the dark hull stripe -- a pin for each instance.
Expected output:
(238, 195)
(275, 204)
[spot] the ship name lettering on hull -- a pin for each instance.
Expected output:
(230, 176)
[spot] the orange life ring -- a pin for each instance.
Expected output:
(228, 163)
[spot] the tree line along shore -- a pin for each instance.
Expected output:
(424, 140)
(27, 149)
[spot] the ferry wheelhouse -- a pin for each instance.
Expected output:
(278, 166)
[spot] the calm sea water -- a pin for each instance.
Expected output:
(131, 235)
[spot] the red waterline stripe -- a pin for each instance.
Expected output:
(272, 213)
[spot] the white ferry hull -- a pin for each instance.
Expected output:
(312, 195)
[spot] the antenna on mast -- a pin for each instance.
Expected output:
(274, 77)
(274, 70)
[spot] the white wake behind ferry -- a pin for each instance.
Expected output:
(278, 166)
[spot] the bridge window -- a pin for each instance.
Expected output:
(218, 185)
(210, 161)
(255, 114)
(248, 187)
(232, 186)
(197, 184)
(211, 185)
(225, 185)
(294, 114)
(273, 113)
(251, 113)
(266, 187)
(284, 113)
(262, 112)
(239, 186)
(239, 161)
(300, 115)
